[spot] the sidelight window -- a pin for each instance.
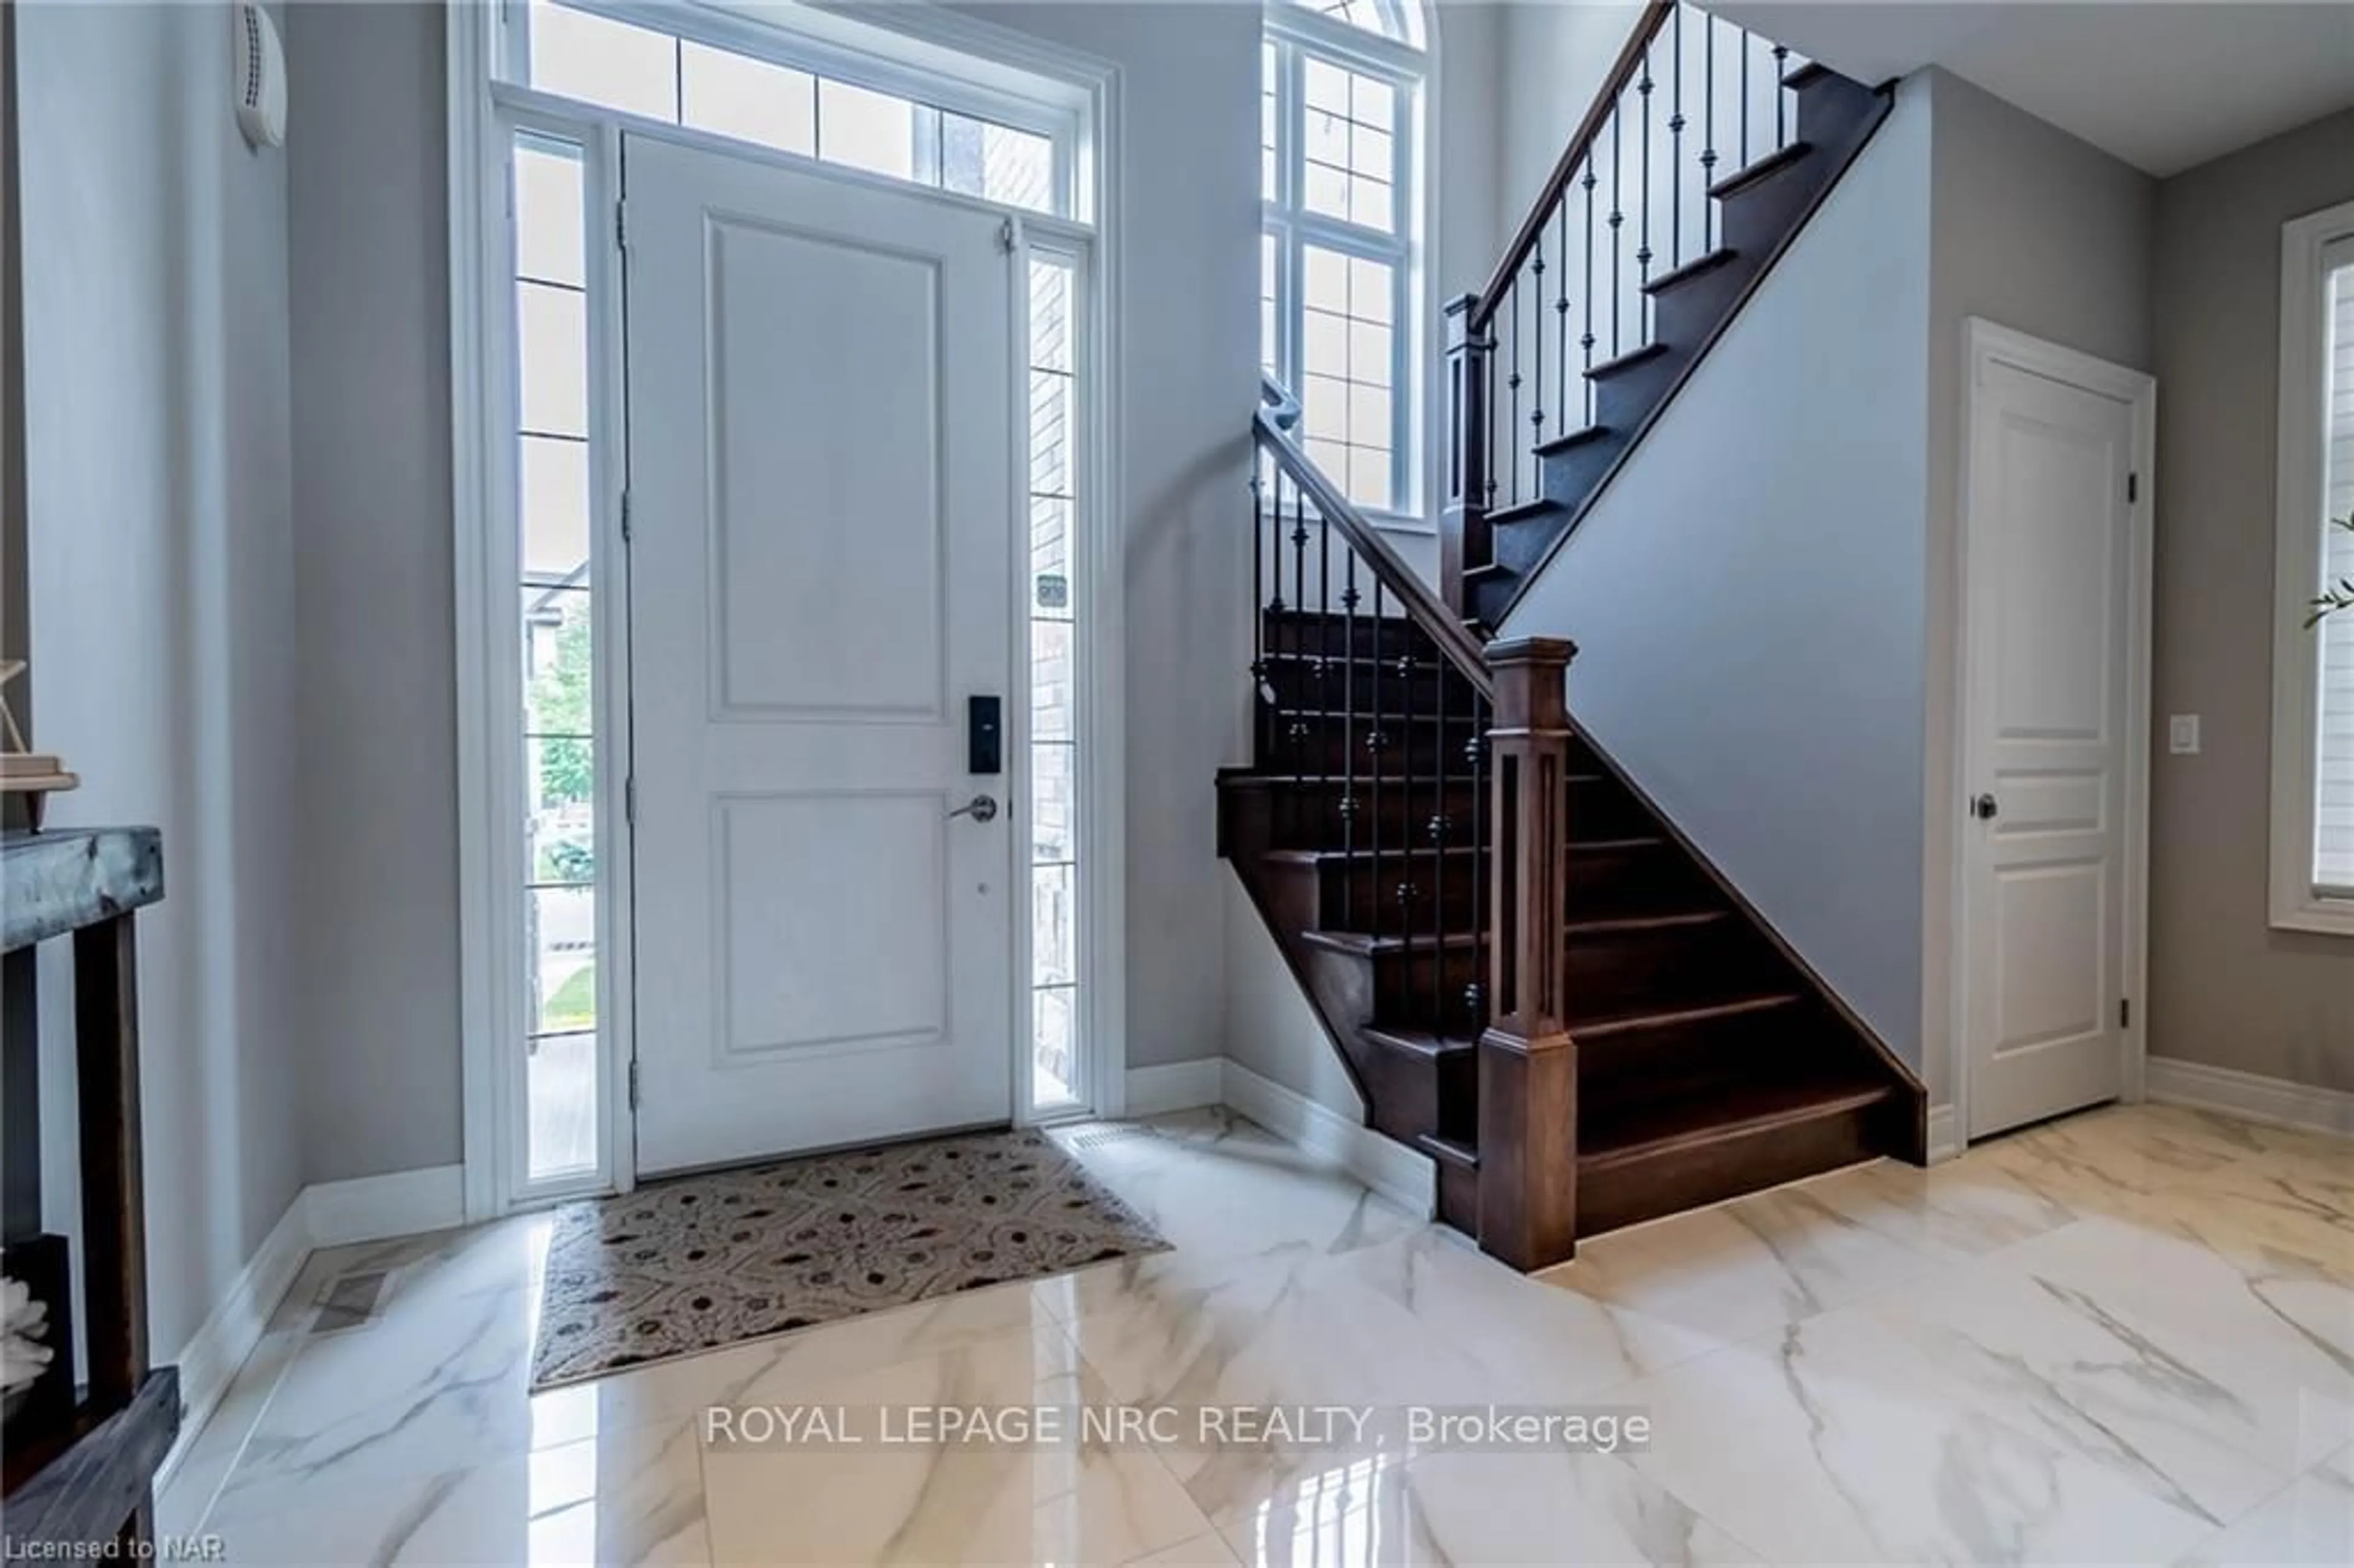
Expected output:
(2313, 661)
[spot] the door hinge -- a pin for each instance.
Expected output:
(2133, 488)
(633, 1082)
(1007, 236)
(625, 516)
(629, 799)
(2125, 1012)
(621, 222)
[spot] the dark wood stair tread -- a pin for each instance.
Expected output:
(1635, 1021)
(1672, 920)
(1772, 163)
(1450, 1151)
(1364, 944)
(1801, 77)
(1534, 510)
(1627, 361)
(1417, 1041)
(1707, 262)
(1579, 438)
(1706, 1113)
(1362, 856)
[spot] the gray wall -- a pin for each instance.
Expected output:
(1814, 523)
(375, 676)
(2225, 989)
(160, 538)
(1554, 54)
(2050, 236)
(1746, 597)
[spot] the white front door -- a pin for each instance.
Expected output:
(820, 380)
(2048, 733)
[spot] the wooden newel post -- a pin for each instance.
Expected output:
(1528, 1065)
(1463, 541)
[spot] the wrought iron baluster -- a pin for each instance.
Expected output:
(1588, 180)
(1708, 132)
(1536, 378)
(1262, 750)
(1438, 863)
(1512, 382)
(1348, 806)
(1676, 144)
(1618, 221)
(1643, 87)
(1781, 99)
(1561, 313)
(1374, 745)
(1477, 754)
(1746, 50)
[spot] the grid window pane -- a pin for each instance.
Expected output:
(562, 1087)
(866, 130)
(552, 358)
(630, 69)
(553, 477)
(548, 215)
(1053, 826)
(558, 675)
(1050, 318)
(1053, 1030)
(753, 100)
(1052, 457)
(1052, 595)
(996, 163)
(563, 960)
(1054, 926)
(1051, 669)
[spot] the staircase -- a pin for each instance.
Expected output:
(1637, 255)
(1531, 975)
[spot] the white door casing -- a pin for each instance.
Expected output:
(822, 520)
(2053, 732)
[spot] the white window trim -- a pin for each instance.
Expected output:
(482, 112)
(2296, 662)
(1414, 71)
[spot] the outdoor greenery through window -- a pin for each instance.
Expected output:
(659, 76)
(552, 468)
(1338, 117)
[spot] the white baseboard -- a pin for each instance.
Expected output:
(1175, 1086)
(400, 1203)
(1945, 1135)
(2250, 1095)
(210, 1361)
(1389, 1167)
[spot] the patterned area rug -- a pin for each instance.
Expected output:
(704, 1261)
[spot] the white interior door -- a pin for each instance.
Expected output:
(2048, 742)
(821, 447)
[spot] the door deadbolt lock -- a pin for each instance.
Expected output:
(1983, 807)
(981, 808)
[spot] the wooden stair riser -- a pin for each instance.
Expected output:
(1400, 751)
(1610, 972)
(1625, 1192)
(1431, 1089)
(1366, 686)
(1405, 979)
(1607, 882)
(1685, 313)
(1616, 1067)
(1310, 814)
(1398, 892)
(1339, 636)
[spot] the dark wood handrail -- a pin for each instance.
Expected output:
(1422, 606)
(1557, 186)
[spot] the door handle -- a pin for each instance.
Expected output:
(981, 808)
(1983, 807)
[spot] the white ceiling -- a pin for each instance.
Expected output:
(2162, 85)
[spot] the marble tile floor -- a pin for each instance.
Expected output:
(2127, 1337)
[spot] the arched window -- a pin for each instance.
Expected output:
(1340, 118)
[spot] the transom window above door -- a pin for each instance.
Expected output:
(1339, 119)
(702, 69)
